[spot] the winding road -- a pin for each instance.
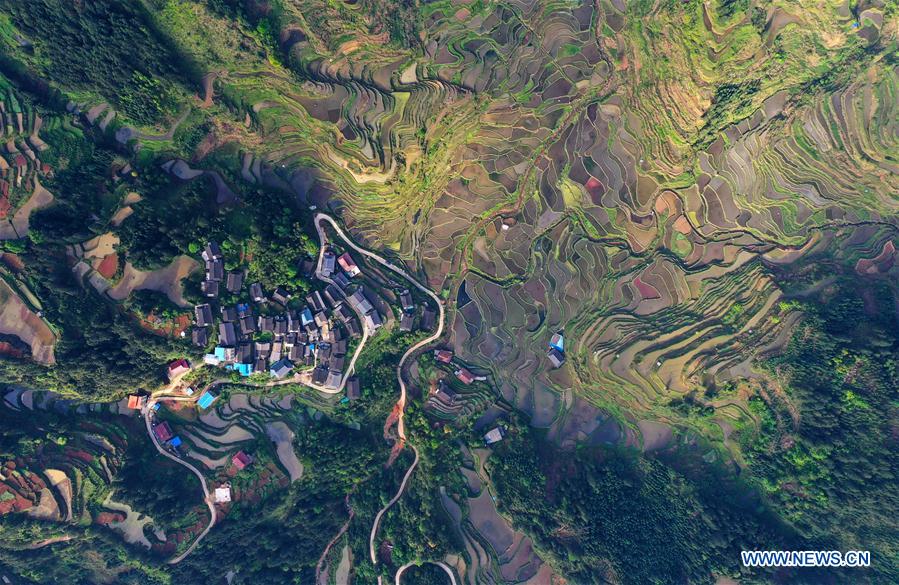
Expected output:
(207, 498)
(165, 393)
(401, 429)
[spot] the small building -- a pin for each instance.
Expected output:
(557, 342)
(247, 325)
(215, 270)
(230, 315)
(465, 376)
(281, 368)
(319, 375)
(212, 251)
(360, 302)
(407, 323)
(321, 318)
(341, 280)
(428, 319)
(373, 321)
(334, 379)
(266, 323)
(332, 296)
(203, 315)
(556, 357)
(444, 356)
(306, 316)
(353, 391)
(445, 394)
(200, 336)
(352, 327)
(163, 432)
(406, 301)
(349, 266)
(137, 402)
(494, 435)
(234, 281)
(280, 326)
(223, 494)
(175, 442)
(210, 288)
(243, 369)
(206, 399)
(241, 460)
(281, 296)
(178, 367)
(256, 292)
(227, 334)
(328, 263)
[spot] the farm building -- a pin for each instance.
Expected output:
(445, 394)
(556, 357)
(494, 436)
(465, 376)
(241, 460)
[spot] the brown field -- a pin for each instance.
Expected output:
(17, 319)
(166, 280)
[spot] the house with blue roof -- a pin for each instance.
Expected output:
(306, 316)
(175, 442)
(206, 400)
(557, 342)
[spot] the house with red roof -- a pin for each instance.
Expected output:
(241, 460)
(178, 367)
(163, 432)
(465, 376)
(349, 266)
(443, 356)
(136, 402)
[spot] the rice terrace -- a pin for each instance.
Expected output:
(481, 292)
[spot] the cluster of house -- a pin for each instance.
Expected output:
(556, 353)
(19, 161)
(316, 334)
(407, 321)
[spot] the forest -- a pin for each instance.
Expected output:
(833, 475)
